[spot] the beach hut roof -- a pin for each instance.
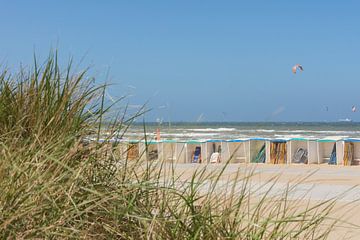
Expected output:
(258, 139)
(279, 140)
(329, 139)
(195, 141)
(215, 140)
(169, 141)
(150, 141)
(238, 140)
(351, 140)
(304, 139)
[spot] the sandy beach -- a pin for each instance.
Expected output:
(309, 184)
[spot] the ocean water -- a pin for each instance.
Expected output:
(236, 130)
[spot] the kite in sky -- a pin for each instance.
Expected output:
(296, 67)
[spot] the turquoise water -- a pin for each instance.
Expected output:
(234, 130)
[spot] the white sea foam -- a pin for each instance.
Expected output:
(212, 129)
(168, 134)
(189, 134)
(264, 130)
(137, 134)
(246, 131)
(319, 131)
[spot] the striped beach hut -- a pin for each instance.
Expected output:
(351, 151)
(132, 150)
(276, 151)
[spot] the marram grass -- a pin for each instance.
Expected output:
(54, 185)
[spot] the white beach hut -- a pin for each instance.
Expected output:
(237, 150)
(329, 151)
(216, 151)
(168, 151)
(150, 150)
(172, 151)
(302, 150)
(195, 151)
(181, 152)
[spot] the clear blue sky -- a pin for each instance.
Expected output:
(223, 60)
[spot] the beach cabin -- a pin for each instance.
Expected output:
(151, 150)
(257, 150)
(351, 154)
(276, 151)
(216, 151)
(237, 150)
(168, 151)
(172, 151)
(181, 152)
(302, 150)
(154, 151)
(132, 150)
(327, 151)
(195, 151)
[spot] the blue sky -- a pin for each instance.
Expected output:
(203, 60)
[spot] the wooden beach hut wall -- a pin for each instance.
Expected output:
(168, 151)
(237, 151)
(351, 154)
(195, 151)
(149, 150)
(302, 150)
(257, 150)
(215, 151)
(328, 152)
(312, 151)
(276, 151)
(181, 152)
(340, 144)
(133, 150)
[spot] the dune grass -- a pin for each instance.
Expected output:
(54, 184)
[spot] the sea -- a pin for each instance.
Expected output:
(240, 130)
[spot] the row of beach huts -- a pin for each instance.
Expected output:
(334, 151)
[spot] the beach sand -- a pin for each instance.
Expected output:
(310, 184)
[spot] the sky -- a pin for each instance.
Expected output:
(201, 60)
